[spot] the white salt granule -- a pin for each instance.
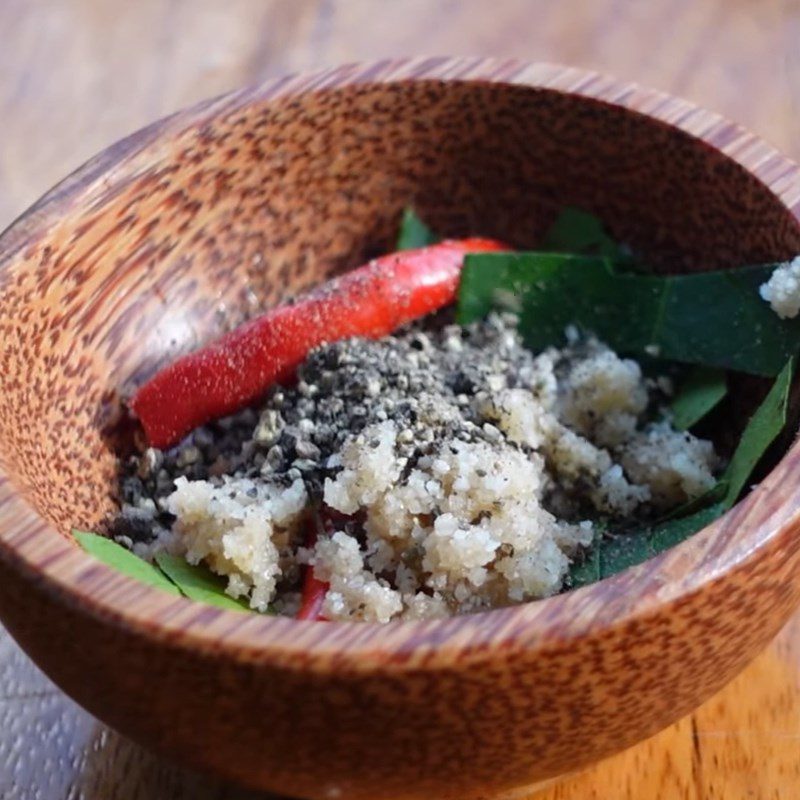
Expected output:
(782, 290)
(237, 529)
(675, 464)
(479, 517)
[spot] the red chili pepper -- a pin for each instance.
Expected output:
(238, 368)
(314, 590)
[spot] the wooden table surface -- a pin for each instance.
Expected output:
(77, 74)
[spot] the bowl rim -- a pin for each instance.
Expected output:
(61, 569)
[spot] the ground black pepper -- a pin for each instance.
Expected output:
(426, 381)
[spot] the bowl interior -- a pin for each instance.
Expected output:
(220, 215)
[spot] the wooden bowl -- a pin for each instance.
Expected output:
(184, 228)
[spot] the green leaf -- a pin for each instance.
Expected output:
(507, 283)
(170, 573)
(629, 549)
(414, 232)
(716, 319)
(197, 582)
(762, 429)
(122, 560)
(716, 494)
(585, 569)
(576, 231)
(702, 390)
(624, 550)
(674, 531)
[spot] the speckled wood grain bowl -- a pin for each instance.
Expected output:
(180, 231)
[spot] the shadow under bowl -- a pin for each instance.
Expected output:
(200, 220)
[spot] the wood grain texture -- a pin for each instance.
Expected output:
(76, 76)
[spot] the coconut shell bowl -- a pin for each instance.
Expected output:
(187, 227)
